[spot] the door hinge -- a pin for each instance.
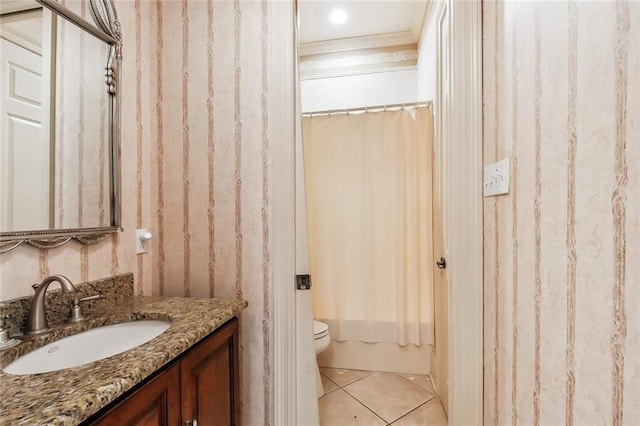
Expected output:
(441, 263)
(303, 282)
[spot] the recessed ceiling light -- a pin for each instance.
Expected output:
(338, 17)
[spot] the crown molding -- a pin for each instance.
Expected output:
(423, 8)
(357, 43)
(433, 9)
(362, 61)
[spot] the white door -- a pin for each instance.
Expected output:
(440, 354)
(24, 142)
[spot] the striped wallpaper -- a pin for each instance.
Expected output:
(195, 170)
(210, 169)
(562, 293)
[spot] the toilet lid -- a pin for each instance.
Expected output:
(320, 329)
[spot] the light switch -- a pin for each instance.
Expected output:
(496, 178)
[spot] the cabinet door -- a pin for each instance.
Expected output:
(209, 379)
(154, 404)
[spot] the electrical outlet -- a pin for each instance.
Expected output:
(142, 240)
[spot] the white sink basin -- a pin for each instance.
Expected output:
(91, 345)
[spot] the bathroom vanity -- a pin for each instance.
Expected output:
(186, 373)
(200, 385)
(189, 373)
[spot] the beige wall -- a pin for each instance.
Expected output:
(195, 158)
(210, 169)
(562, 300)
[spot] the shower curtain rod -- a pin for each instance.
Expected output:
(368, 108)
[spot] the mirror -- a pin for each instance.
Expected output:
(59, 121)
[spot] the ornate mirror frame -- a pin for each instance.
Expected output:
(107, 29)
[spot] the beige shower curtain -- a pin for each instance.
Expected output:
(368, 190)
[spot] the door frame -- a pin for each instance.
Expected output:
(464, 205)
(464, 211)
(281, 99)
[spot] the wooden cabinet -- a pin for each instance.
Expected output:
(209, 380)
(201, 386)
(153, 404)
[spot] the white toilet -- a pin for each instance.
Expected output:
(321, 340)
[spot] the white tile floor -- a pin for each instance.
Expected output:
(354, 397)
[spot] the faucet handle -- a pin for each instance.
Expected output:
(76, 310)
(5, 338)
(4, 332)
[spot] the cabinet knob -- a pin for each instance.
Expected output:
(193, 422)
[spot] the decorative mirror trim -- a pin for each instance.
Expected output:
(107, 29)
(84, 236)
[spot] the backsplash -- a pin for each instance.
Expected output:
(58, 303)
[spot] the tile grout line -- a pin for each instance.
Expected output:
(414, 409)
(327, 377)
(432, 394)
(351, 396)
(370, 409)
(365, 406)
(432, 391)
(342, 388)
(331, 391)
(356, 380)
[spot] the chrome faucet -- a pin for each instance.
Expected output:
(37, 323)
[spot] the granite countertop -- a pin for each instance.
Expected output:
(67, 397)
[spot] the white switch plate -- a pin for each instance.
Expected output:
(142, 242)
(496, 178)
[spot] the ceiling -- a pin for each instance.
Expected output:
(23, 29)
(365, 18)
(12, 6)
(377, 36)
